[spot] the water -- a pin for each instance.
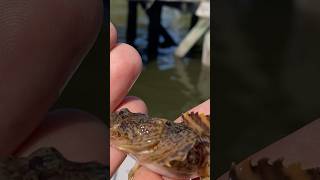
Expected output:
(266, 69)
(168, 85)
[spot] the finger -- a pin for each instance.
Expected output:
(202, 108)
(61, 128)
(30, 80)
(144, 173)
(125, 67)
(302, 144)
(113, 36)
(134, 104)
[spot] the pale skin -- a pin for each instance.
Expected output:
(36, 61)
(301, 146)
(125, 67)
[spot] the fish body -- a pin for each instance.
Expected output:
(175, 150)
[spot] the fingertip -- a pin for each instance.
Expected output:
(125, 68)
(130, 55)
(134, 104)
(60, 129)
(144, 173)
(116, 158)
(201, 108)
(204, 107)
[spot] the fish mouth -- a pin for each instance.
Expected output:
(171, 173)
(139, 148)
(117, 137)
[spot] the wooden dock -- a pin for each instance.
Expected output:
(202, 28)
(153, 9)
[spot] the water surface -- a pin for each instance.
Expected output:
(266, 74)
(168, 85)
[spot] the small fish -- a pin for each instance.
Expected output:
(175, 150)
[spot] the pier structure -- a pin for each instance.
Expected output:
(153, 9)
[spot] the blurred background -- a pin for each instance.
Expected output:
(266, 73)
(169, 85)
(87, 88)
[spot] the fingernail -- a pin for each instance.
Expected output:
(134, 81)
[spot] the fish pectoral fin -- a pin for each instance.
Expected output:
(204, 172)
(133, 171)
(200, 123)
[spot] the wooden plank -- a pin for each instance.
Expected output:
(205, 59)
(192, 37)
(196, 1)
(204, 9)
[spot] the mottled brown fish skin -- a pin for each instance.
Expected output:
(175, 148)
(49, 164)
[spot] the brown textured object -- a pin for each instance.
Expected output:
(49, 164)
(264, 170)
(175, 150)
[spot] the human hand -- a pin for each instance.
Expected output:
(125, 67)
(31, 80)
(144, 173)
(301, 146)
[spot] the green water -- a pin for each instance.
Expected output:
(169, 86)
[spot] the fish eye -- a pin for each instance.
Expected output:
(123, 112)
